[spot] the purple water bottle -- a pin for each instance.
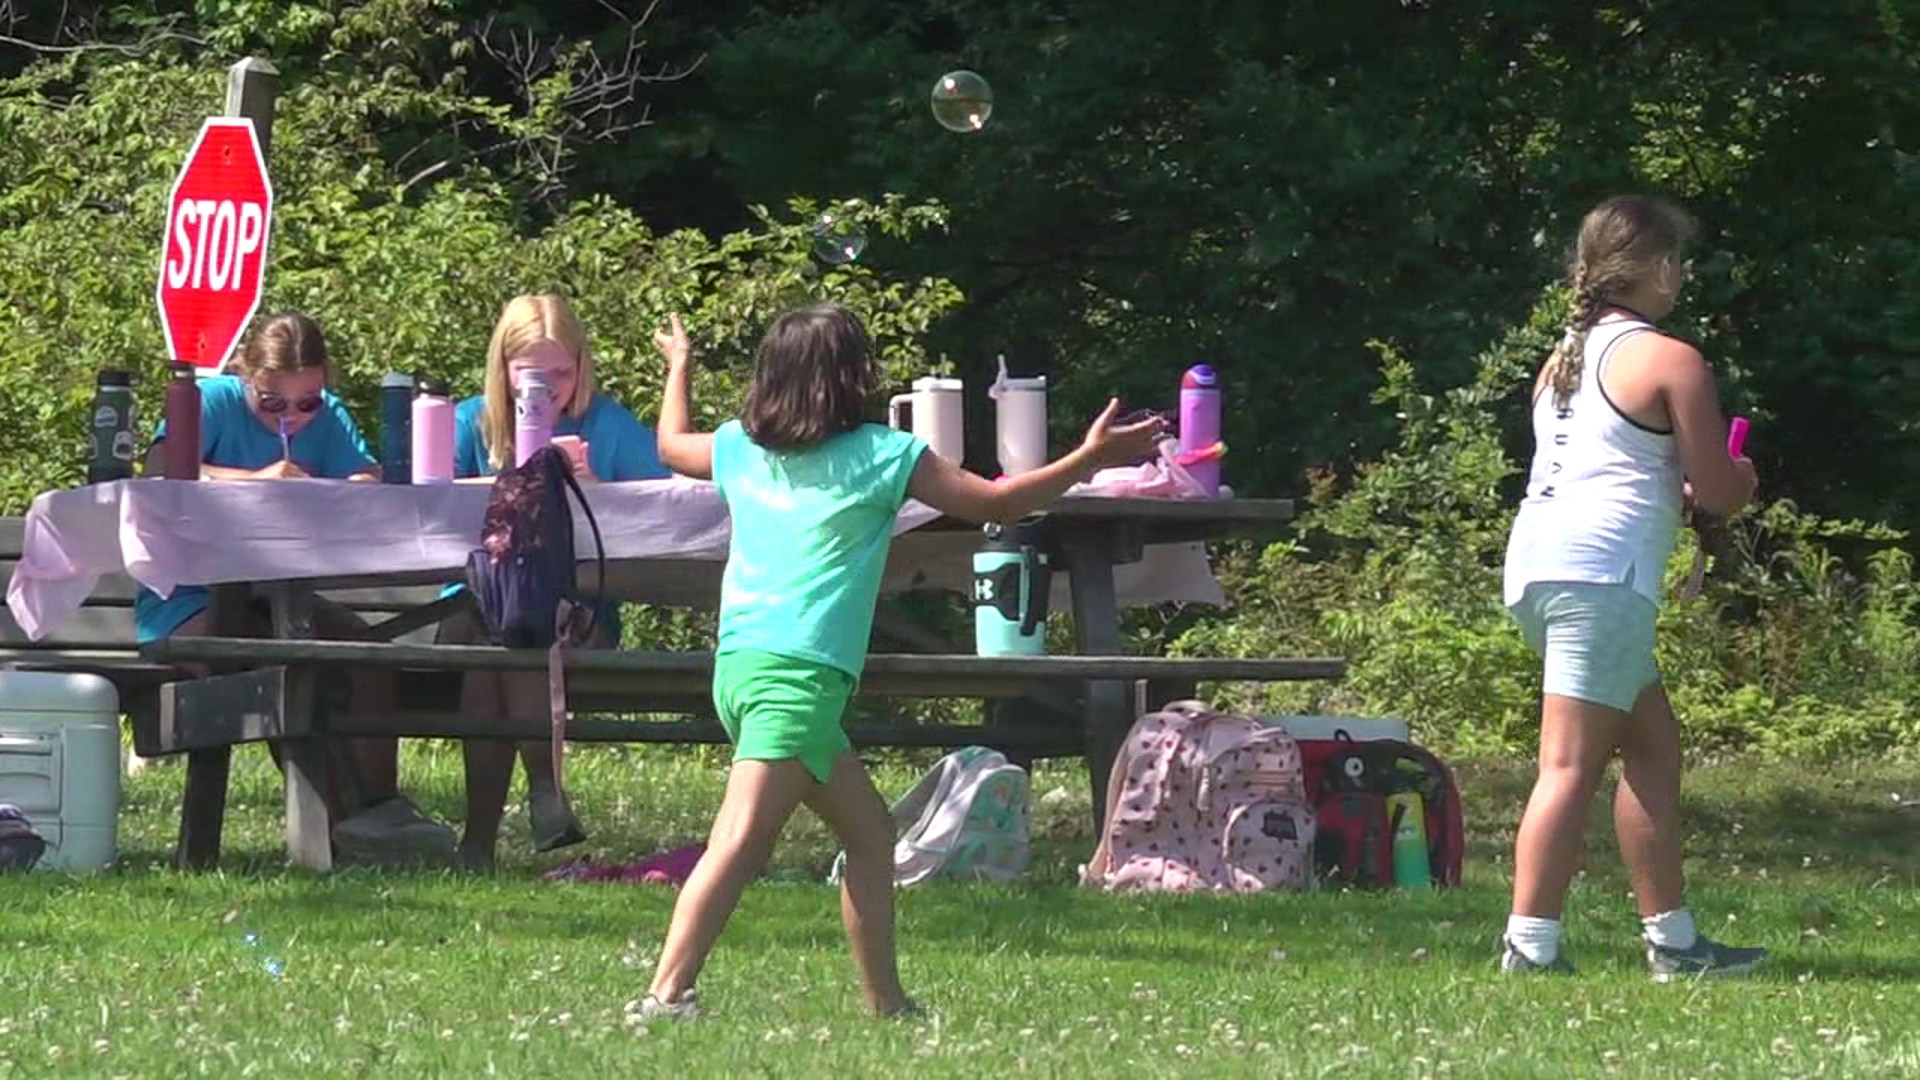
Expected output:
(532, 414)
(1200, 426)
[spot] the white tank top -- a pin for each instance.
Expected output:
(1603, 499)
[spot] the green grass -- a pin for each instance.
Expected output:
(139, 973)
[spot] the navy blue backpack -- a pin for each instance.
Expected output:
(523, 577)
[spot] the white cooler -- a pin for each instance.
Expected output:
(1357, 728)
(60, 763)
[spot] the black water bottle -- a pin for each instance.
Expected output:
(111, 429)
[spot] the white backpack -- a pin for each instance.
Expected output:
(966, 820)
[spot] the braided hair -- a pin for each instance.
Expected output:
(1622, 243)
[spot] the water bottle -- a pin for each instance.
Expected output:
(180, 457)
(532, 414)
(1408, 814)
(111, 456)
(1200, 446)
(396, 428)
(1011, 583)
(432, 433)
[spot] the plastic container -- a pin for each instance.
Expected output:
(1020, 421)
(1012, 580)
(111, 430)
(533, 413)
(1200, 444)
(396, 428)
(1357, 728)
(180, 457)
(60, 763)
(1407, 814)
(939, 410)
(432, 433)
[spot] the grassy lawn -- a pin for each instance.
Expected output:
(141, 972)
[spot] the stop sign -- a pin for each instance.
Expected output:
(213, 254)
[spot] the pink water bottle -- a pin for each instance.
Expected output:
(1200, 446)
(532, 414)
(432, 432)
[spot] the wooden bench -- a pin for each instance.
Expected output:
(278, 700)
(99, 639)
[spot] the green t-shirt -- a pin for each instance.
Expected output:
(811, 530)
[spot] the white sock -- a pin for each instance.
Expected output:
(1536, 939)
(1671, 929)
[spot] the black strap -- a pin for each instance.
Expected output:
(599, 547)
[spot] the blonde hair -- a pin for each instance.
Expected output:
(288, 341)
(1623, 242)
(526, 320)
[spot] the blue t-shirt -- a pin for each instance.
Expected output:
(232, 437)
(811, 529)
(619, 447)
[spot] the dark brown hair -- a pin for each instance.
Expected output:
(813, 379)
(1622, 242)
(289, 341)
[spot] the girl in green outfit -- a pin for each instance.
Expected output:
(813, 490)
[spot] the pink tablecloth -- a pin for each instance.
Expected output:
(165, 533)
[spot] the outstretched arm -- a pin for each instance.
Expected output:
(958, 493)
(682, 449)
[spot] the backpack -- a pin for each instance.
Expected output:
(522, 576)
(1201, 800)
(966, 820)
(1348, 781)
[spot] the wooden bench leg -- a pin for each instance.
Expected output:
(309, 827)
(304, 760)
(1096, 627)
(203, 809)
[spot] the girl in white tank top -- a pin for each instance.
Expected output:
(1603, 499)
(1584, 565)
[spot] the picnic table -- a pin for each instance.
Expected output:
(287, 542)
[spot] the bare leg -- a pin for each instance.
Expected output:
(856, 813)
(377, 693)
(761, 796)
(1576, 739)
(536, 758)
(489, 770)
(1646, 808)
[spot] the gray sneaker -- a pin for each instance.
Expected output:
(1707, 959)
(650, 1009)
(1514, 962)
(554, 825)
(391, 833)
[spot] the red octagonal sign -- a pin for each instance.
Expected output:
(213, 255)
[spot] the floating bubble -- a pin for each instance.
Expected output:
(962, 101)
(836, 240)
(272, 965)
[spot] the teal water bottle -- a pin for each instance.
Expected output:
(1011, 580)
(1412, 868)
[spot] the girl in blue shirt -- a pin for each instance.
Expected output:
(538, 332)
(279, 385)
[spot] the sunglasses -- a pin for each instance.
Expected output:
(273, 404)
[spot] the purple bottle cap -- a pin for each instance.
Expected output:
(1199, 377)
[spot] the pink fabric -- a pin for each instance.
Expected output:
(1163, 477)
(168, 533)
(667, 868)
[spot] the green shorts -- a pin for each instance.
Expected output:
(776, 708)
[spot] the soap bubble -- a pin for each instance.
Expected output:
(837, 240)
(269, 963)
(962, 101)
